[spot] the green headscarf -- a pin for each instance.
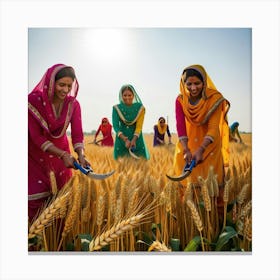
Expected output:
(136, 98)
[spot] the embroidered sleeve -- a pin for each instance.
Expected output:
(46, 145)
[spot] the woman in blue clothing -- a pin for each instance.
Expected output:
(233, 131)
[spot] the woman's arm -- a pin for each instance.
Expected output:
(97, 132)
(138, 128)
(139, 123)
(77, 134)
(181, 130)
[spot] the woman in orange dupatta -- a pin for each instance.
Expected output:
(201, 120)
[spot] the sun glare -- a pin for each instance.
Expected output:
(106, 44)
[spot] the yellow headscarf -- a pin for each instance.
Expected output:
(161, 129)
(211, 99)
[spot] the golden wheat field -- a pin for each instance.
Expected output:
(139, 209)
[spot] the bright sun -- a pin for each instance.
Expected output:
(105, 44)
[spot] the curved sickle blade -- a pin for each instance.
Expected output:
(186, 172)
(133, 155)
(179, 178)
(100, 176)
(89, 172)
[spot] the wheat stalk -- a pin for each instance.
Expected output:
(205, 194)
(197, 220)
(73, 214)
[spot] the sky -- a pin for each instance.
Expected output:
(152, 60)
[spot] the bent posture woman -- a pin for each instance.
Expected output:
(106, 130)
(159, 132)
(128, 118)
(52, 107)
(233, 131)
(201, 126)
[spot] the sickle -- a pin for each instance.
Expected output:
(186, 172)
(132, 154)
(89, 172)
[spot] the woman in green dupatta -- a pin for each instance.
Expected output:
(128, 118)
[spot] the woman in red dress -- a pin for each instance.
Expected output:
(106, 130)
(52, 107)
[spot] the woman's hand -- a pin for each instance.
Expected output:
(127, 143)
(133, 143)
(198, 155)
(83, 161)
(187, 155)
(68, 160)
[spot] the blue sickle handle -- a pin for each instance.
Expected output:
(189, 167)
(84, 170)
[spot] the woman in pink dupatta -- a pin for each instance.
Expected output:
(52, 106)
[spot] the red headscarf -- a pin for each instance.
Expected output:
(40, 103)
(105, 127)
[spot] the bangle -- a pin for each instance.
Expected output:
(62, 154)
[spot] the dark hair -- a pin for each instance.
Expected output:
(127, 88)
(191, 73)
(65, 72)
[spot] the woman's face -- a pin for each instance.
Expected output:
(104, 121)
(162, 122)
(127, 96)
(194, 86)
(62, 87)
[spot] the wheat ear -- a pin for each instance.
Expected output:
(125, 225)
(197, 220)
(48, 215)
(225, 199)
(53, 183)
(116, 231)
(157, 246)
